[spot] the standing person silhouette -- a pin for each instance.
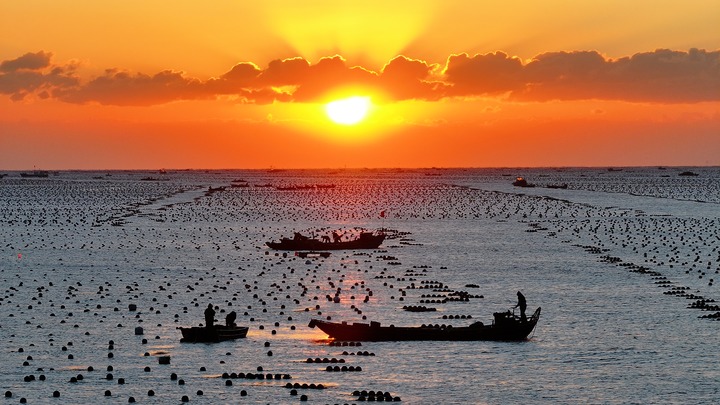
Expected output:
(209, 316)
(230, 319)
(523, 306)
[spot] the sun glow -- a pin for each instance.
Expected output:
(348, 111)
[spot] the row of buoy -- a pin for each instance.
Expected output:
(343, 343)
(416, 308)
(358, 353)
(343, 368)
(370, 395)
(457, 317)
(324, 360)
(310, 386)
(257, 376)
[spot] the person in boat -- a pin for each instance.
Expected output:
(298, 236)
(209, 316)
(522, 304)
(336, 237)
(230, 319)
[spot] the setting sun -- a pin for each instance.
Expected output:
(348, 111)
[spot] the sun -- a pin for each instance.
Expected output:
(348, 111)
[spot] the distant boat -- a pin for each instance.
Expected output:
(366, 240)
(218, 333)
(521, 182)
(688, 174)
(561, 186)
(36, 173)
(506, 327)
(211, 190)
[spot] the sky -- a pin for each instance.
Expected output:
(103, 85)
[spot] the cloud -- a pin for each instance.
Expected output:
(491, 73)
(661, 76)
(33, 73)
(403, 78)
(29, 61)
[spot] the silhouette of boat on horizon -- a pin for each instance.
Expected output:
(213, 334)
(36, 174)
(521, 182)
(505, 327)
(366, 240)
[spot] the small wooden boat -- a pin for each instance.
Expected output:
(521, 182)
(506, 327)
(366, 240)
(214, 334)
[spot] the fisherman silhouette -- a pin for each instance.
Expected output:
(230, 319)
(523, 306)
(209, 316)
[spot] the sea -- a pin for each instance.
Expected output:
(100, 268)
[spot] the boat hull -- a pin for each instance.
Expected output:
(199, 334)
(366, 241)
(507, 328)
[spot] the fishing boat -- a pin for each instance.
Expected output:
(36, 173)
(366, 240)
(505, 327)
(521, 182)
(213, 334)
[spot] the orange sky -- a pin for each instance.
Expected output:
(230, 84)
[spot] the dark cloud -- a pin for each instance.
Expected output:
(491, 73)
(29, 61)
(32, 73)
(403, 78)
(123, 88)
(661, 76)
